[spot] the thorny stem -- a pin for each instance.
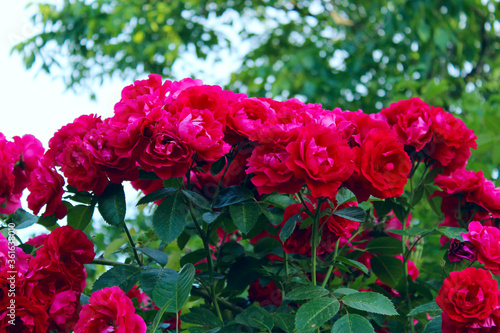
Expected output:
(131, 241)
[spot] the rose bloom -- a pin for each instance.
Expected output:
(247, 116)
(322, 158)
(486, 241)
(27, 151)
(468, 298)
(29, 317)
(411, 120)
(109, 310)
(382, 167)
(268, 165)
(46, 188)
(265, 295)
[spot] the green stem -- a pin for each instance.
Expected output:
(309, 212)
(314, 245)
(108, 262)
(131, 241)
(330, 269)
(210, 263)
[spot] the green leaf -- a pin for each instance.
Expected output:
(256, 317)
(274, 215)
(233, 195)
(218, 165)
(193, 257)
(156, 195)
(176, 288)
(22, 219)
(289, 227)
(147, 175)
(385, 245)
(202, 316)
(344, 291)
(306, 292)
(344, 195)
(370, 302)
(210, 217)
(158, 256)
(357, 214)
(431, 308)
(284, 321)
(169, 218)
(354, 263)
(352, 323)
(80, 216)
(122, 276)
(279, 200)
(150, 277)
(245, 216)
(388, 269)
(315, 313)
(111, 204)
(48, 222)
(434, 325)
(452, 232)
(197, 199)
(417, 196)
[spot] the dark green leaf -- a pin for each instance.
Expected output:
(218, 165)
(156, 195)
(385, 245)
(289, 227)
(344, 195)
(169, 218)
(344, 291)
(111, 204)
(175, 289)
(274, 215)
(210, 217)
(233, 195)
(197, 199)
(80, 216)
(193, 257)
(382, 207)
(158, 256)
(245, 216)
(315, 313)
(357, 214)
(202, 316)
(22, 219)
(370, 302)
(150, 277)
(84, 299)
(147, 175)
(434, 325)
(417, 196)
(284, 321)
(256, 317)
(452, 233)
(48, 221)
(122, 276)
(354, 263)
(352, 323)
(388, 269)
(279, 200)
(431, 308)
(306, 292)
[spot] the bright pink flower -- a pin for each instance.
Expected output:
(46, 188)
(200, 131)
(247, 116)
(411, 121)
(64, 310)
(486, 241)
(7, 178)
(11, 204)
(268, 165)
(488, 197)
(109, 310)
(322, 158)
(27, 151)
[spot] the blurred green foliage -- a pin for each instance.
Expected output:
(348, 54)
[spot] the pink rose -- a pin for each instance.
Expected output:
(64, 310)
(486, 241)
(247, 116)
(109, 310)
(27, 151)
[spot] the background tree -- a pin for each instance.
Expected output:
(338, 53)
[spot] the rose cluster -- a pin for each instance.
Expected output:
(47, 286)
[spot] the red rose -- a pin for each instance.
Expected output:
(7, 177)
(28, 316)
(488, 197)
(109, 310)
(268, 165)
(467, 298)
(322, 158)
(27, 151)
(486, 241)
(340, 226)
(451, 143)
(46, 188)
(411, 120)
(247, 116)
(268, 294)
(382, 166)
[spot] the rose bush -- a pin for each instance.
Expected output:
(256, 215)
